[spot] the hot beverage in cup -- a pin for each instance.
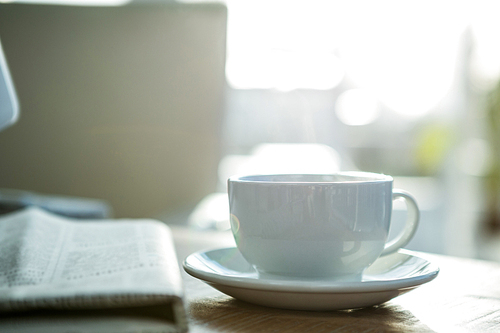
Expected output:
(303, 225)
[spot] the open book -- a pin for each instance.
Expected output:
(60, 275)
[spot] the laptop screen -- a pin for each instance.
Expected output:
(9, 106)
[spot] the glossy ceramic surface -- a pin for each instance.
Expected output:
(314, 225)
(389, 276)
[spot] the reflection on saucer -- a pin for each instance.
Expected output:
(276, 277)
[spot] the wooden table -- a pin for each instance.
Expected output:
(465, 297)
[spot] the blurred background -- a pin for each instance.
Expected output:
(150, 105)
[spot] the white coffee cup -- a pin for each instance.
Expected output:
(316, 225)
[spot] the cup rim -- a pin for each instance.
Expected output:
(358, 177)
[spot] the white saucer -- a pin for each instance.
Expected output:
(227, 271)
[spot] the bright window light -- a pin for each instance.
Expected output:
(281, 45)
(404, 52)
(486, 53)
(357, 107)
(284, 70)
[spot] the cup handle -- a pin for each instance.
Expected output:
(411, 223)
